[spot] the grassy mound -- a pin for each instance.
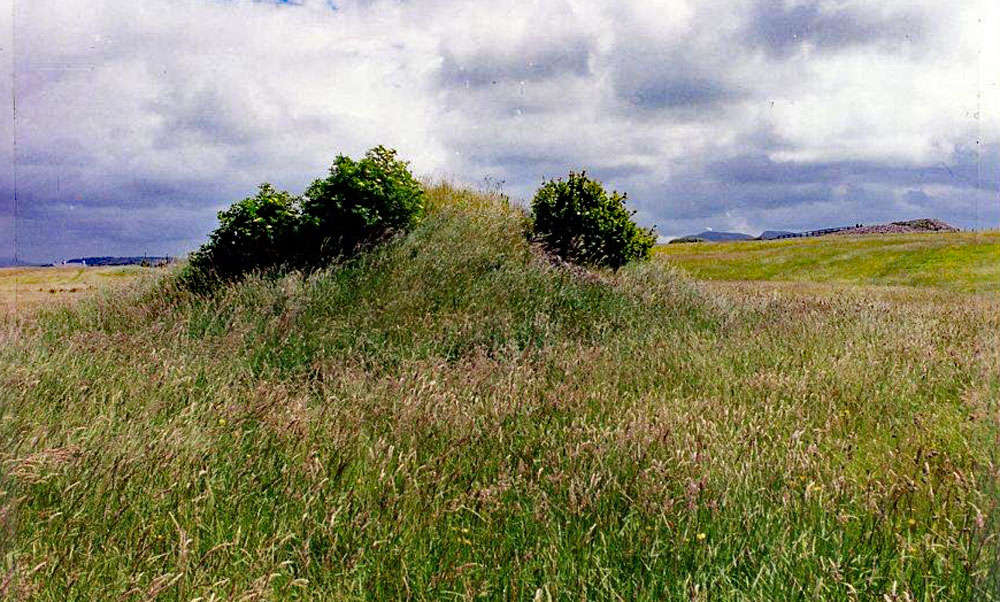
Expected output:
(452, 416)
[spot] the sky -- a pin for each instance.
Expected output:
(138, 120)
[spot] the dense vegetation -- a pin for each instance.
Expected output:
(361, 203)
(257, 233)
(450, 416)
(581, 223)
(358, 204)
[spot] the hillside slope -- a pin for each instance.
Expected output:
(966, 261)
(453, 417)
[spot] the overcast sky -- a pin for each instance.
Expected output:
(137, 120)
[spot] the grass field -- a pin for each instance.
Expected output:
(453, 418)
(26, 289)
(965, 261)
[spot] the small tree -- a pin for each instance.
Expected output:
(577, 220)
(256, 233)
(360, 202)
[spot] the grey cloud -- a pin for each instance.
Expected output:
(62, 152)
(663, 91)
(781, 28)
(763, 194)
(183, 111)
(962, 170)
(209, 116)
(677, 73)
(69, 230)
(917, 197)
(6, 199)
(695, 196)
(857, 204)
(492, 67)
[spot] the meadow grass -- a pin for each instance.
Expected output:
(28, 288)
(960, 261)
(452, 417)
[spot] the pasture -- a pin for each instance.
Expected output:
(453, 417)
(960, 262)
(27, 289)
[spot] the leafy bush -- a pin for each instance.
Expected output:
(255, 234)
(359, 203)
(577, 220)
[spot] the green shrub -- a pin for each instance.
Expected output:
(255, 234)
(360, 203)
(577, 220)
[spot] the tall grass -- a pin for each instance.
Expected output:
(453, 417)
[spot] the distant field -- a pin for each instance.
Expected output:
(966, 261)
(27, 288)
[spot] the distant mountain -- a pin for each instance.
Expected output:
(713, 236)
(772, 234)
(105, 261)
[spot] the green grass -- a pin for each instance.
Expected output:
(453, 418)
(966, 261)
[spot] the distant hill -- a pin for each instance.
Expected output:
(713, 236)
(106, 261)
(773, 234)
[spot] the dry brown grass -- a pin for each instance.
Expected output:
(24, 290)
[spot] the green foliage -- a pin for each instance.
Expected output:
(359, 203)
(581, 223)
(255, 234)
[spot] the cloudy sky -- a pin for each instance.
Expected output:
(137, 120)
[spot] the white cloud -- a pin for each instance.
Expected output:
(140, 105)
